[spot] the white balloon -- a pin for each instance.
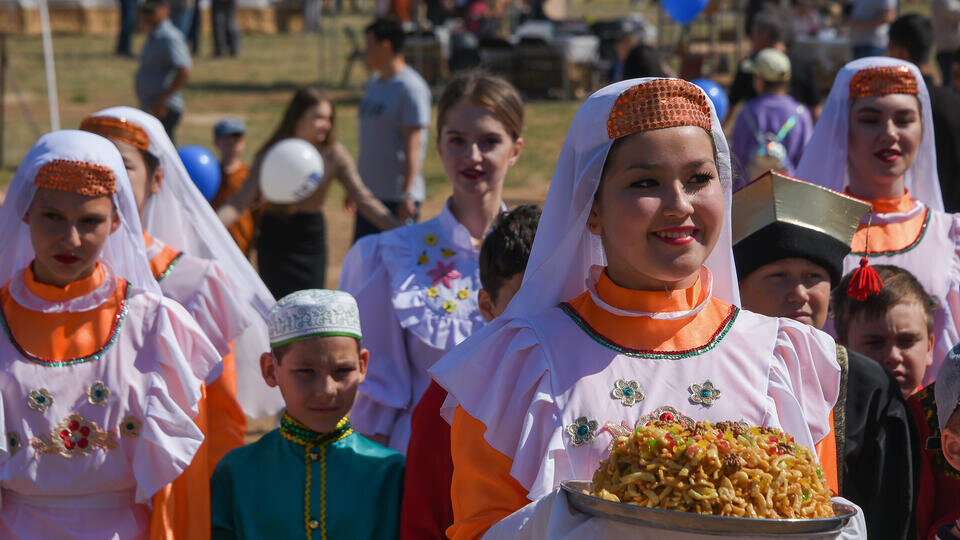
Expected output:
(291, 171)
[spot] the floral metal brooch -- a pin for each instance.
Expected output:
(705, 394)
(582, 431)
(39, 400)
(628, 392)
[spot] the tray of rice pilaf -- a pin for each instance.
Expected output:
(724, 478)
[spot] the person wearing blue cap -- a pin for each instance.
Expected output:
(230, 138)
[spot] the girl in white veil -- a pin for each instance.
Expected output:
(100, 376)
(875, 139)
(596, 341)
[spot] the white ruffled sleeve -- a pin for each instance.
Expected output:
(804, 381)
(501, 377)
(175, 360)
(210, 301)
(387, 387)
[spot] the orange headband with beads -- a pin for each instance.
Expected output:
(882, 81)
(117, 128)
(80, 177)
(658, 104)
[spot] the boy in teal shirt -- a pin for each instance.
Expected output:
(313, 477)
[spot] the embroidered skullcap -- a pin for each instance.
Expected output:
(882, 81)
(658, 104)
(80, 177)
(117, 128)
(313, 313)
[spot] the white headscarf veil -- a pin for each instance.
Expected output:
(564, 250)
(124, 251)
(181, 217)
(824, 160)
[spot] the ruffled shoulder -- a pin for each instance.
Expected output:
(433, 283)
(202, 287)
(501, 376)
(175, 360)
(804, 380)
(955, 239)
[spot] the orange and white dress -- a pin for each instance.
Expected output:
(99, 383)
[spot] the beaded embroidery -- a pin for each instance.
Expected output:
(73, 437)
(166, 272)
(13, 443)
(97, 393)
(882, 81)
(582, 431)
(80, 177)
(666, 414)
(117, 128)
(628, 392)
(114, 332)
(657, 105)
(296, 432)
(130, 427)
(704, 394)
(39, 400)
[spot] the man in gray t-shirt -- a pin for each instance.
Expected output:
(164, 66)
(394, 120)
(869, 23)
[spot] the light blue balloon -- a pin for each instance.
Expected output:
(203, 168)
(684, 11)
(721, 103)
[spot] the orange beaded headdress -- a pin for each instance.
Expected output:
(117, 128)
(658, 104)
(80, 177)
(882, 81)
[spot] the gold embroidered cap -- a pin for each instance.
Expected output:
(658, 104)
(882, 81)
(80, 177)
(117, 128)
(777, 197)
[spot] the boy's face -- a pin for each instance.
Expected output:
(950, 444)
(318, 378)
(490, 308)
(230, 146)
(898, 340)
(793, 287)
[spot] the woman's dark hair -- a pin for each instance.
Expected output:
(899, 287)
(642, 61)
(151, 162)
(388, 29)
(302, 101)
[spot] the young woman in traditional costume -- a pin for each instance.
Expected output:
(100, 375)
(417, 286)
(196, 265)
(627, 313)
(875, 140)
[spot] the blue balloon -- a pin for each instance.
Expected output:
(203, 168)
(721, 103)
(684, 11)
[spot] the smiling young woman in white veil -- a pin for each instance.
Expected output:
(628, 309)
(875, 140)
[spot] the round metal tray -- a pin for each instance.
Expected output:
(691, 522)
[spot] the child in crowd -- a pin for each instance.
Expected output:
(313, 476)
(893, 327)
(427, 511)
(773, 128)
(230, 138)
(100, 375)
(628, 313)
(938, 423)
(417, 286)
(788, 259)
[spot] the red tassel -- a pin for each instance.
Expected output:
(864, 282)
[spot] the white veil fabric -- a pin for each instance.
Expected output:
(124, 251)
(564, 250)
(180, 217)
(824, 160)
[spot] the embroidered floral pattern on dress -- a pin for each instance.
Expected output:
(666, 414)
(628, 392)
(704, 394)
(73, 437)
(130, 427)
(97, 393)
(13, 443)
(423, 258)
(463, 294)
(446, 287)
(39, 400)
(444, 273)
(430, 239)
(447, 253)
(432, 292)
(449, 306)
(582, 431)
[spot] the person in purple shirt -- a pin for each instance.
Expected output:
(773, 128)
